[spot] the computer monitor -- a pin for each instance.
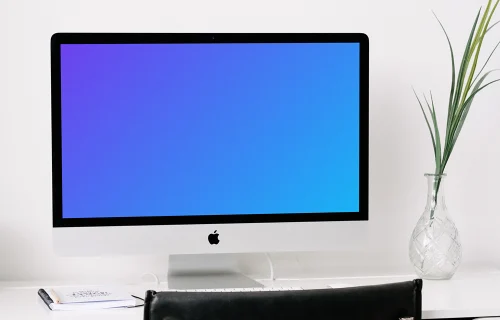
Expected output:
(209, 143)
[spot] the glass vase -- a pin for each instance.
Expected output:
(435, 249)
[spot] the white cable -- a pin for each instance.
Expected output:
(157, 280)
(271, 267)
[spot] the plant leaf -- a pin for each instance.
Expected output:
(491, 16)
(452, 90)
(436, 130)
(463, 67)
(463, 113)
(485, 21)
(460, 79)
(478, 40)
(474, 92)
(467, 106)
(484, 66)
(427, 121)
(492, 26)
(482, 25)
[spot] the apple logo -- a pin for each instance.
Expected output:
(213, 238)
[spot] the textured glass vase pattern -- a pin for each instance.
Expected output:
(435, 249)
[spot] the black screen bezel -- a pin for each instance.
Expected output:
(138, 38)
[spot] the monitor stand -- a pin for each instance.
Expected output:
(207, 271)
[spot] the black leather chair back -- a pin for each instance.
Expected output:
(378, 302)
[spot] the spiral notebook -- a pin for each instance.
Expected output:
(89, 298)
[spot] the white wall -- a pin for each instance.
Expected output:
(407, 48)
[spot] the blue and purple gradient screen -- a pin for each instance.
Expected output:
(209, 129)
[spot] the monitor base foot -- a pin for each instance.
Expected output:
(206, 271)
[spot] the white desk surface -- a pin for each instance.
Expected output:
(466, 295)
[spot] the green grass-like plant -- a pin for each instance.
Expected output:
(465, 85)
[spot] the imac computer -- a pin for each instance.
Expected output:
(189, 144)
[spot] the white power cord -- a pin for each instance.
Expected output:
(157, 280)
(271, 267)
